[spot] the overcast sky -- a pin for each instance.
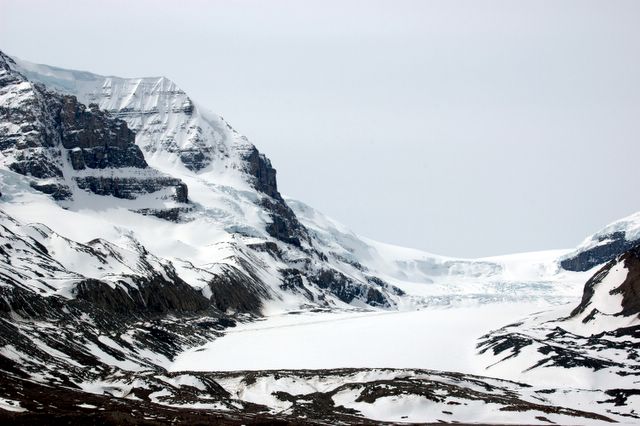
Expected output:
(465, 128)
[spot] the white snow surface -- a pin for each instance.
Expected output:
(433, 338)
(407, 406)
(11, 405)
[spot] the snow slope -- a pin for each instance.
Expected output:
(327, 340)
(598, 340)
(431, 279)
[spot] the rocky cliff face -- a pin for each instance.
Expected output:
(28, 136)
(626, 286)
(608, 247)
(284, 225)
(95, 139)
(605, 245)
(49, 137)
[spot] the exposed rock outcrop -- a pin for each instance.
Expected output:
(608, 247)
(131, 187)
(259, 167)
(41, 130)
(150, 296)
(284, 225)
(95, 139)
(346, 289)
(629, 288)
(235, 291)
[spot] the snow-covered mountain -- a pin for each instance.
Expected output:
(225, 208)
(135, 224)
(599, 339)
(604, 245)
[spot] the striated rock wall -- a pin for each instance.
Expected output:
(130, 188)
(40, 130)
(95, 139)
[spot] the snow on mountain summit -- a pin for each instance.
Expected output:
(170, 127)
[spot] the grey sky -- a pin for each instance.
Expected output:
(465, 128)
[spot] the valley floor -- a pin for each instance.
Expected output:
(433, 338)
(327, 367)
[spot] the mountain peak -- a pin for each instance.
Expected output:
(62, 145)
(169, 127)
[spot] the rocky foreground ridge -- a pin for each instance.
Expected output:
(601, 335)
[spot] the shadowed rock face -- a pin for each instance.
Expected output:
(130, 188)
(42, 129)
(629, 288)
(28, 133)
(259, 166)
(231, 289)
(151, 296)
(346, 289)
(95, 139)
(57, 191)
(613, 245)
(284, 224)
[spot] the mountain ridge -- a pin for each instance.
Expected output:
(150, 226)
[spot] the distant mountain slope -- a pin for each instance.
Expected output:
(604, 245)
(526, 276)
